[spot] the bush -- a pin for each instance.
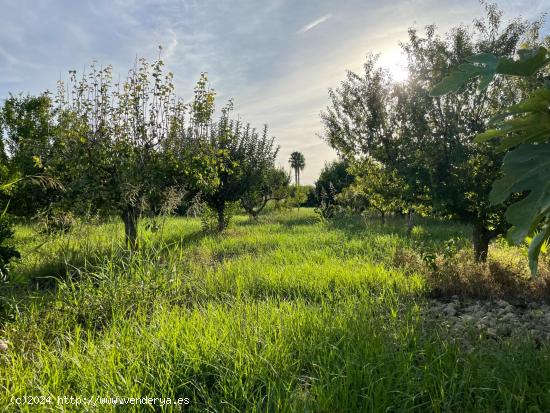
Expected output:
(7, 250)
(311, 199)
(209, 216)
(505, 275)
(326, 207)
(55, 221)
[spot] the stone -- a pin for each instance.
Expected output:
(450, 310)
(467, 318)
(3, 345)
(491, 332)
(502, 303)
(509, 317)
(504, 330)
(495, 319)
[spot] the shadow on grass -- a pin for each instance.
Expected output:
(357, 226)
(293, 221)
(287, 219)
(183, 240)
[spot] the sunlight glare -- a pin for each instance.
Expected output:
(395, 61)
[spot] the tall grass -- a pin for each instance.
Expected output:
(288, 314)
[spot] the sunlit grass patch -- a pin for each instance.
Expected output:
(284, 314)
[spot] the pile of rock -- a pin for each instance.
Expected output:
(496, 319)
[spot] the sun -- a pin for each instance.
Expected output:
(394, 60)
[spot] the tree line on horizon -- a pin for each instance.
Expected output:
(134, 149)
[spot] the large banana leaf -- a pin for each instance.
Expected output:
(526, 171)
(486, 66)
(526, 122)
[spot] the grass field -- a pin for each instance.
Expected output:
(287, 314)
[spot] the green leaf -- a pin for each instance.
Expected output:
(489, 134)
(535, 247)
(452, 83)
(483, 65)
(495, 120)
(5, 209)
(483, 58)
(485, 81)
(533, 128)
(526, 170)
(539, 101)
(525, 122)
(487, 65)
(530, 62)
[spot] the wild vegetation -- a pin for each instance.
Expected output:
(284, 314)
(150, 245)
(422, 147)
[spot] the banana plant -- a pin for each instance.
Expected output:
(523, 130)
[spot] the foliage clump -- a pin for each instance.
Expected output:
(7, 249)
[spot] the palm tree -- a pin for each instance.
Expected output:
(298, 163)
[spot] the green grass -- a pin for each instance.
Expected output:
(288, 314)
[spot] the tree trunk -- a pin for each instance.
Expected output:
(410, 217)
(255, 212)
(221, 218)
(383, 217)
(481, 239)
(129, 216)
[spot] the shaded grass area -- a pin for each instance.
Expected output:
(288, 314)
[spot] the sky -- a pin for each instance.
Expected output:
(275, 58)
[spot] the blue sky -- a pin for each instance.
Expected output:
(276, 58)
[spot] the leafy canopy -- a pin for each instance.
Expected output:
(524, 130)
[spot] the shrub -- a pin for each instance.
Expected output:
(55, 221)
(210, 217)
(326, 207)
(7, 250)
(504, 276)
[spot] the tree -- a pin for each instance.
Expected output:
(525, 129)
(112, 139)
(335, 174)
(270, 184)
(380, 189)
(311, 199)
(241, 155)
(7, 250)
(463, 170)
(220, 161)
(429, 142)
(3, 155)
(28, 132)
(298, 163)
(7, 186)
(298, 195)
(365, 123)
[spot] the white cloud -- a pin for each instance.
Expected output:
(314, 23)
